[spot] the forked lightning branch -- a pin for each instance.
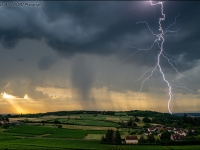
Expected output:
(161, 55)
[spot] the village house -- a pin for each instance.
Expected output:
(131, 139)
(169, 129)
(159, 130)
(179, 131)
(182, 133)
(177, 137)
(176, 130)
(151, 129)
(3, 122)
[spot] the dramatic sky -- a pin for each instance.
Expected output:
(72, 56)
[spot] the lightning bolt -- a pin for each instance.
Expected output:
(160, 41)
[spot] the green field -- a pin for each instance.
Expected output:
(82, 131)
(53, 143)
(37, 143)
(27, 130)
(90, 120)
(42, 137)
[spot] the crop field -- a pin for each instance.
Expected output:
(94, 136)
(22, 118)
(27, 130)
(91, 117)
(82, 119)
(72, 144)
(30, 143)
(120, 113)
(88, 143)
(23, 147)
(102, 117)
(89, 122)
(6, 137)
(191, 147)
(76, 134)
(86, 127)
(82, 131)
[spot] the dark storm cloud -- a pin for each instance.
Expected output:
(99, 27)
(45, 62)
(104, 28)
(86, 26)
(20, 60)
(11, 36)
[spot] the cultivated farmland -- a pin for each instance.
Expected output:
(77, 131)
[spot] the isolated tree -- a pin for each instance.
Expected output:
(190, 133)
(146, 120)
(174, 125)
(133, 132)
(185, 118)
(103, 139)
(165, 136)
(57, 122)
(123, 124)
(191, 138)
(142, 139)
(59, 126)
(109, 136)
(137, 119)
(146, 125)
(198, 138)
(112, 136)
(130, 122)
(6, 119)
(118, 139)
(134, 124)
(151, 138)
(195, 119)
(162, 130)
(9, 115)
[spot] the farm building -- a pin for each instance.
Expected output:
(158, 130)
(151, 129)
(131, 139)
(177, 137)
(179, 131)
(2, 122)
(169, 129)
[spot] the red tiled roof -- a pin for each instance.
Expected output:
(178, 137)
(151, 128)
(131, 137)
(180, 132)
(167, 129)
(176, 129)
(160, 129)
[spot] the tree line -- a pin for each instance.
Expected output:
(111, 137)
